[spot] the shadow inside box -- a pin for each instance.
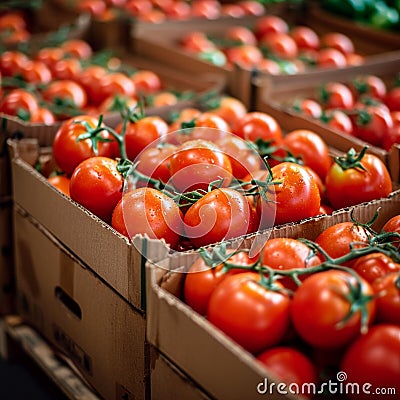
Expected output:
(21, 379)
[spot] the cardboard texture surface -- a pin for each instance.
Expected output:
(7, 289)
(170, 383)
(102, 335)
(109, 254)
(173, 327)
(274, 95)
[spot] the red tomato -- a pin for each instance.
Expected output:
(322, 303)
(338, 41)
(337, 239)
(115, 83)
(148, 211)
(43, 116)
(311, 148)
(259, 125)
(246, 56)
(11, 62)
(393, 225)
(296, 196)
(269, 66)
(392, 99)
(146, 81)
(232, 10)
(197, 163)
(387, 288)
(61, 182)
(142, 133)
(392, 138)
(20, 103)
(219, 215)
(68, 152)
(94, 7)
(244, 160)
(69, 91)
(336, 95)
(370, 85)
(287, 253)
(50, 55)
(305, 37)
(252, 7)
(197, 42)
(240, 35)
(97, 185)
(153, 162)
(374, 266)
(372, 362)
(201, 280)
(231, 109)
(252, 315)
(307, 107)
(373, 124)
(209, 9)
(77, 48)
(347, 186)
(66, 68)
(89, 79)
(270, 24)
(330, 58)
(279, 44)
(290, 366)
(36, 72)
(339, 120)
(179, 10)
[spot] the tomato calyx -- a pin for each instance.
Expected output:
(93, 134)
(351, 159)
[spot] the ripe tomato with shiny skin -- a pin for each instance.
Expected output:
(97, 185)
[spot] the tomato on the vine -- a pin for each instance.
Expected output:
(288, 253)
(357, 178)
(65, 92)
(201, 280)
(141, 133)
(294, 196)
(254, 316)
(197, 163)
(311, 149)
(68, 152)
(97, 185)
(148, 211)
(20, 103)
(375, 265)
(338, 239)
(327, 308)
(219, 215)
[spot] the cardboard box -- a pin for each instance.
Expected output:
(203, 352)
(109, 254)
(160, 42)
(7, 284)
(273, 96)
(168, 382)
(78, 313)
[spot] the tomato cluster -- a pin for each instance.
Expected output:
(14, 28)
(308, 309)
(367, 107)
(274, 47)
(208, 176)
(59, 82)
(157, 11)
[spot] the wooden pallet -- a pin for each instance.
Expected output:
(18, 339)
